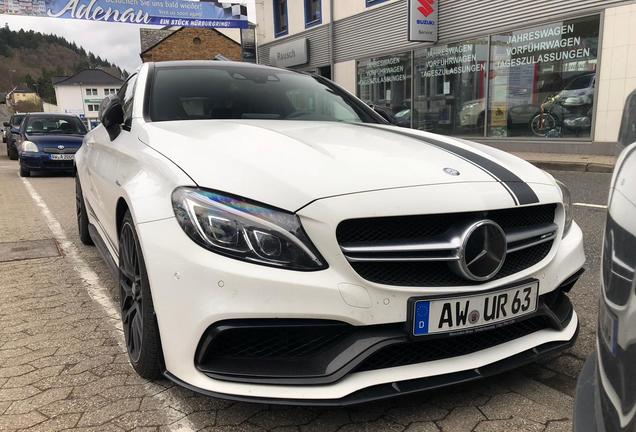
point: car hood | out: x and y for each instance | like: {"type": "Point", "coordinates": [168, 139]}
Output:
{"type": "Point", "coordinates": [55, 140]}
{"type": "Point", "coordinates": [289, 164]}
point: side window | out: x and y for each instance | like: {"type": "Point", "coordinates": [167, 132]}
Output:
{"type": "Point", "coordinates": [126, 94]}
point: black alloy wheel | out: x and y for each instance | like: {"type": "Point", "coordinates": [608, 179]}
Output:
{"type": "Point", "coordinates": [131, 295]}
{"type": "Point", "coordinates": [137, 311]}
{"type": "Point", "coordinates": [82, 215]}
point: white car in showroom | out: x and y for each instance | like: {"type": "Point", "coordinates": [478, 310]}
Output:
{"type": "Point", "coordinates": [276, 240]}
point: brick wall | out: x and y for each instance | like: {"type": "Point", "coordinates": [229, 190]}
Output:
{"type": "Point", "coordinates": [181, 45]}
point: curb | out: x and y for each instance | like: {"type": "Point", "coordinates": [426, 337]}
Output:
{"type": "Point", "coordinates": [574, 166]}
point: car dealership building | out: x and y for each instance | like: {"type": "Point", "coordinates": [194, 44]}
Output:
{"type": "Point", "coordinates": [523, 75]}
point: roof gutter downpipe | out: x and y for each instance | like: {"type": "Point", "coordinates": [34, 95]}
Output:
{"type": "Point", "coordinates": [331, 41]}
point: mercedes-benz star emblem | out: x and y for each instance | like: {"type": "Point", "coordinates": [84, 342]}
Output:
{"type": "Point", "coordinates": [483, 251]}
{"type": "Point", "coordinates": [60, 147]}
{"type": "Point", "coordinates": [451, 171]}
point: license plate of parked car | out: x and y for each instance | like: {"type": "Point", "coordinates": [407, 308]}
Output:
{"type": "Point", "coordinates": [608, 328]}
{"type": "Point", "coordinates": [62, 156]}
{"type": "Point", "coordinates": [470, 312]}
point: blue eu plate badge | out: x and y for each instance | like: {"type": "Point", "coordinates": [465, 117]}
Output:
{"type": "Point", "coordinates": [420, 323]}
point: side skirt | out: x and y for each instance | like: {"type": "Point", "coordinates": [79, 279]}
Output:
{"type": "Point", "coordinates": [103, 251]}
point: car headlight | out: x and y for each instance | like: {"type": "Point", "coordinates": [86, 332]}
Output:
{"type": "Point", "coordinates": [567, 206]}
{"type": "Point", "coordinates": [28, 146]}
{"type": "Point", "coordinates": [245, 230]}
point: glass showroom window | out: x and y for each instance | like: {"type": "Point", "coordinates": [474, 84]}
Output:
{"type": "Point", "coordinates": [542, 80]}
{"type": "Point", "coordinates": [385, 83]}
{"type": "Point", "coordinates": [450, 88]}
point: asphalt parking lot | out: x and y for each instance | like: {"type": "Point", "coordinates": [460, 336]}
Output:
{"type": "Point", "coordinates": [63, 364]}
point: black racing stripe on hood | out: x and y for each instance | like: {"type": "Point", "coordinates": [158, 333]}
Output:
{"type": "Point", "coordinates": [521, 192]}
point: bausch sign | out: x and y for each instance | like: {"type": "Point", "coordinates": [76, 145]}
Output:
{"type": "Point", "coordinates": [181, 13]}
{"type": "Point", "coordinates": [288, 54]}
{"type": "Point", "coordinates": [423, 17]}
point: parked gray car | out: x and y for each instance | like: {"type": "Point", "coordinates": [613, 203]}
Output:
{"type": "Point", "coordinates": [606, 392]}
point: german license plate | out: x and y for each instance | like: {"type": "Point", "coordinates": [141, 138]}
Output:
{"type": "Point", "coordinates": [454, 314]}
{"type": "Point", "coordinates": [608, 328]}
{"type": "Point", "coordinates": [62, 157]}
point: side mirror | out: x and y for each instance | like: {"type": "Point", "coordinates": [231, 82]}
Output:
{"type": "Point", "coordinates": [385, 115]}
{"type": "Point", "coordinates": [6, 124]}
{"type": "Point", "coordinates": [627, 134]}
{"type": "Point", "coordinates": [111, 114]}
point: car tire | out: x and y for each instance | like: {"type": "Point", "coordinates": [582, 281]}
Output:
{"type": "Point", "coordinates": [141, 331]}
{"type": "Point", "coordinates": [24, 172]}
{"type": "Point", "coordinates": [12, 152]}
{"type": "Point", "coordinates": [82, 215]}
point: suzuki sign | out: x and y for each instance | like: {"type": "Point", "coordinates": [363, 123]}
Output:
{"type": "Point", "coordinates": [423, 17]}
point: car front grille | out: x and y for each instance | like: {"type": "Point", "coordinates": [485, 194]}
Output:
{"type": "Point", "coordinates": [53, 164]}
{"type": "Point", "coordinates": [417, 250]}
{"type": "Point", "coordinates": [283, 342]}
{"type": "Point", "coordinates": [55, 150]}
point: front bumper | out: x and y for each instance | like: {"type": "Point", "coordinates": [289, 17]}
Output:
{"type": "Point", "coordinates": [407, 386]}
{"type": "Point", "coordinates": [194, 289]}
{"type": "Point", "coordinates": [42, 162]}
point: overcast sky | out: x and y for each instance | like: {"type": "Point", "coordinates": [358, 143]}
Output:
{"type": "Point", "coordinates": [118, 43]}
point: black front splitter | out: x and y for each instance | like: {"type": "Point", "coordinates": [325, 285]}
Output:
{"type": "Point", "coordinates": [402, 388]}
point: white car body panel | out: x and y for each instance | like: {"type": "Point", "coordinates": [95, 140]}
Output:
{"type": "Point", "coordinates": [320, 159]}
{"type": "Point", "coordinates": [326, 172]}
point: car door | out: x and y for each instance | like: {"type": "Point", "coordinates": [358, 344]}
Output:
{"type": "Point", "coordinates": [103, 166]}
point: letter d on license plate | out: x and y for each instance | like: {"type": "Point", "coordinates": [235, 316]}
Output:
{"type": "Point", "coordinates": [471, 312]}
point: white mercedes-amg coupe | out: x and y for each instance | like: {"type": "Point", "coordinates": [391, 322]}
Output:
{"type": "Point", "coordinates": [276, 240]}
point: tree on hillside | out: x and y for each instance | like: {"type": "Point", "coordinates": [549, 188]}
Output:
{"type": "Point", "coordinates": [21, 42]}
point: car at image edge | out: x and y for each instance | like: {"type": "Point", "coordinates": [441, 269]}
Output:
{"type": "Point", "coordinates": [606, 390]}
{"type": "Point", "coordinates": [276, 241]}
{"type": "Point", "coordinates": [12, 128]}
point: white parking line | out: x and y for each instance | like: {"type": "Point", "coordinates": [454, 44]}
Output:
{"type": "Point", "coordinates": [595, 206]}
{"type": "Point", "coordinates": [96, 290]}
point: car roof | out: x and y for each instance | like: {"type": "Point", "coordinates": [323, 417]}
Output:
{"type": "Point", "coordinates": [42, 114]}
{"type": "Point", "coordinates": [217, 64]}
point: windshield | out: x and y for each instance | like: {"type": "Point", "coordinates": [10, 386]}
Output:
{"type": "Point", "coordinates": [196, 93]}
{"type": "Point", "coordinates": [17, 120]}
{"type": "Point", "coordinates": [581, 82]}
{"type": "Point", "coordinates": [55, 126]}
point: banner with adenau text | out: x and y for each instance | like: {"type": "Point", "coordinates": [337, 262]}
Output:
{"type": "Point", "coordinates": [183, 13]}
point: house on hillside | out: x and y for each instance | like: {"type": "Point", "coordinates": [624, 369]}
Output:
{"type": "Point", "coordinates": [180, 43]}
{"type": "Point", "coordinates": [22, 98]}
{"type": "Point", "coordinates": [82, 93]}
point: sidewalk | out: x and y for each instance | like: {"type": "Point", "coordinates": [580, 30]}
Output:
{"type": "Point", "coordinates": [569, 162]}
